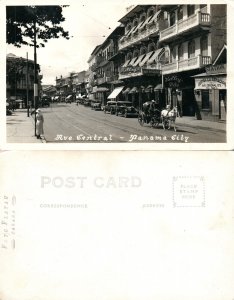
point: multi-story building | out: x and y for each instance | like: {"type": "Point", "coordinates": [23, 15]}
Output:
{"type": "Point", "coordinates": [78, 82]}
{"type": "Point", "coordinates": [140, 45]}
{"type": "Point", "coordinates": [20, 79]}
{"type": "Point", "coordinates": [165, 46]}
{"type": "Point", "coordinates": [194, 35]}
{"type": "Point", "coordinates": [64, 86]}
{"type": "Point", "coordinates": [104, 64]}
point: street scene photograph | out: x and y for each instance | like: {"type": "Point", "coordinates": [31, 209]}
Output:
{"type": "Point", "coordinates": [116, 73]}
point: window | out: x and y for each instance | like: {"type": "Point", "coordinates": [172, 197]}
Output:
{"type": "Point", "coordinates": [191, 49]}
{"type": "Point", "coordinates": [180, 13]}
{"type": "Point", "coordinates": [205, 99]}
{"type": "Point", "coordinates": [173, 54]}
{"type": "Point", "coordinates": [191, 10]}
{"type": "Point", "coordinates": [203, 8]}
{"type": "Point", "coordinates": [180, 52]}
{"type": "Point", "coordinates": [172, 18]}
{"type": "Point", "coordinates": [22, 83]}
{"type": "Point", "coordinates": [204, 46]}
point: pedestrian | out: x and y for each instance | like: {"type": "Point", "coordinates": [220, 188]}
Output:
{"type": "Point", "coordinates": [39, 123]}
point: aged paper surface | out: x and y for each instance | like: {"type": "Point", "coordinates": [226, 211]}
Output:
{"type": "Point", "coordinates": [116, 225]}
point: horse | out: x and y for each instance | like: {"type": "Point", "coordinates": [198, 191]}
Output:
{"type": "Point", "coordinates": [169, 117]}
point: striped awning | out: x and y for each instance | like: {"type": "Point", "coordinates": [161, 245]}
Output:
{"type": "Point", "coordinates": [126, 63]}
{"type": "Point", "coordinates": [136, 63]}
{"type": "Point", "coordinates": [155, 55]}
{"type": "Point", "coordinates": [146, 58]}
{"type": "Point", "coordinates": [131, 30]}
{"type": "Point", "coordinates": [138, 26]}
{"type": "Point", "coordinates": [154, 17]}
{"type": "Point", "coordinates": [127, 90]}
{"type": "Point", "coordinates": [134, 90]}
{"type": "Point", "coordinates": [150, 19]}
{"type": "Point", "coordinates": [149, 88]}
{"type": "Point", "coordinates": [132, 61]}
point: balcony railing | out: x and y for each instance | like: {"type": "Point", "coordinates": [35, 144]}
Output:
{"type": "Point", "coordinates": [140, 34]}
{"type": "Point", "coordinates": [186, 64]}
{"type": "Point", "coordinates": [184, 25]}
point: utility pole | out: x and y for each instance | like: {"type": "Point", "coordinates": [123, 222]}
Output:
{"type": "Point", "coordinates": [35, 69]}
{"type": "Point", "coordinates": [27, 84]}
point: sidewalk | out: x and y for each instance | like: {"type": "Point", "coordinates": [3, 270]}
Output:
{"type": "Point", "coordinates": [201, 124]}
{"type": "Point", "coordinates": [20, 128]}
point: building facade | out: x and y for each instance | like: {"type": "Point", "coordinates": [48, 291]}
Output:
{"type": "Point", "coordinates": [158, 54]}
{"type": "Point", "coordinates": [104, 64]}
{"type": "Point", "coordinates": [70, 86]}
{"type": "Point", "coordinates": [20, 79]}
{"type": "Point", "coordinates": [194, 36]}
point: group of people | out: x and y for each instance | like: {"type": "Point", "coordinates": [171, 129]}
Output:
{"type": "Point", "coordinates": [151, 107]}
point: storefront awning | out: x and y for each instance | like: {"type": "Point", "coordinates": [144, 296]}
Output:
{"type": "Point", "coordinates": [150, 20]}
{"type": "Point", "coordinates": [131, 30]}
{"type": "Point", "coordinates": [158, 87]}
{"type": "Point", "coordinates": [126, 63]}
{"type": "Point", "coordinates": [146, 58]}
{"type": "Point", "coordinates": [127, 90]}
{"type": "Point", "coordinates": [132, 61]}
{"type": "Point", "coordinates": [134, 90]}
{"type": "Point", "coordinates": [155, 55]}
{"type": "Point", "coordinates": [149, 88]}
{"type": "Point", "coordinates": [136, 63]}
{"type": "Point", "coordinates": [115, 92]}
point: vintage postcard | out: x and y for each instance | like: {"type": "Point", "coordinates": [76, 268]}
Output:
{"type": "Point", "coordinates": [116, 225]}
{"type": "Point", "coordinates": [117, 75]}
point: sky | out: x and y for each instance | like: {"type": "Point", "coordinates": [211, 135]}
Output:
{"type": "Point", "coordinates": [89, 24]}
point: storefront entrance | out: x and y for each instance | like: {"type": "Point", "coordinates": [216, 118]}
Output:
{"type": "Point", "coordinates": [188, 108]}
{"type": "Point", "coordinates": [222, 105]}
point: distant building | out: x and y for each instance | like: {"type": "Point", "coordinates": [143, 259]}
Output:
{"type": "Point", "coordinates": [48, 90]}
{"type": "Point", "coordinates": [72, 85]}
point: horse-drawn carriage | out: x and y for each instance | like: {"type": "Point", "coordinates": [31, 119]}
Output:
{"type": "Point", "coordinates": [154, 116]}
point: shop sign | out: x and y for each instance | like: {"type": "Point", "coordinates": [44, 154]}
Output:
{"type": "Point", "coordinates": [207, 83]}
{"type": "Point", "coordinates": [130, 69]}
{"type": "Point", "coordinates": [216, 69]}
{"type": "Point", "coordinates": [173, 81]}
{"type": "Point", "coordinates": [150, 71]}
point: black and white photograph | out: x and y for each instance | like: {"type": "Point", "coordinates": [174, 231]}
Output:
{"type": "Point", "coordinates": [112, 73]}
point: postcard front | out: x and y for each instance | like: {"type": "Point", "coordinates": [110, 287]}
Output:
{"type": "Point", "coordinates": [116, 225]}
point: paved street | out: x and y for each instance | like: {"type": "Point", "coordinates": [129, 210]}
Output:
{"type": "Point", "coordinates": [73, 124]}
